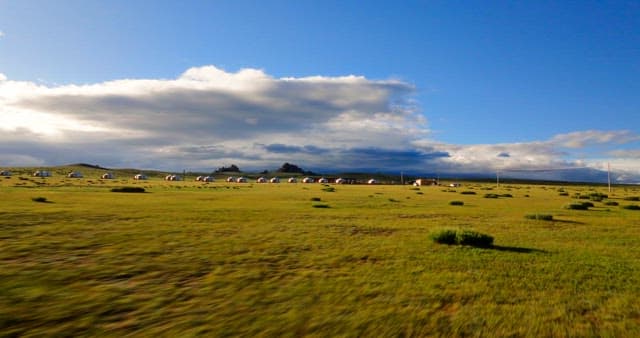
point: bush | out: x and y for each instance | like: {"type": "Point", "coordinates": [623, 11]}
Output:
{"type": "Point", "coordinates": [468, 192]}
{"type": "Point", "coordinates": [445, 237]}
{"type": "Point", "coordinates": [128, 189]}
{"type": "Point", "coordinates": [316, 199]}
{"type": "Point", "coordinates": [329, 189]}
{"type": "Point", "coordinates": [614, 203]}
{"type": "Point", "coordinates": [472, 238]}
{"type": "Point", "coordinates": [631, 207]}
{"type": "Point", "coordinates": [456, 203]}
{"type": "Point", "coordinates": [321, 206]}
{"type": "Point", "coordinates": [490, 195]}
{"type": "Point", "coordinates": [506, 195]}
{"type": "Point", "coordinates": [587, 204]}
{"type": "Point", "coordinates": [632, 198]}
{"type": "Point", "coordinates": [564, 194]}
{"type": "Point", "coordinates": [540, 217]}
{"type": "Point", "coordinates": [39, 199]}
{"type": "Point", "coordinates": [576, 206]}
{"type": "Point", "coordinates": [462, 237]}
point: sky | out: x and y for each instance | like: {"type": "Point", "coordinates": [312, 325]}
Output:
{"type": "Point", "coordinates": [423, 86]}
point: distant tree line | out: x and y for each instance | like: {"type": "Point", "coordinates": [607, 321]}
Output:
{"type": "Point", "coordinates": [285, 168]}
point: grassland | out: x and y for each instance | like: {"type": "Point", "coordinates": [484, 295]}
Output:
{"type": "Point", "coordinates": [219, 259]}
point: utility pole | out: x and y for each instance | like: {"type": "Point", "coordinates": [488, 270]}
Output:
{"type": "Point", "coordinates": [498, 178]}
{"type": "Point", "coordinates": [401, 178]}
{"type": "Point", "coordinates": [609, 175]}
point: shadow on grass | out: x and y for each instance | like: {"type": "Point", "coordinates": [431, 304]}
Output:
{"type": "Point", "coordinates": [516, 249]}
{"type": "Point", "coordinates": [566, 221]}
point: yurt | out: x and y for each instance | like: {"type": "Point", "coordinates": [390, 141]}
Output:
{"type": "Point", "coordinates": [241, 180]}
{"type": "Point", "coordinates": [372, 181]}
{"type": "Point", "coordinates": [107, 176]}
{"type": "Point", "coordinates": [208, 179]}
{"type": "Point", "coordinates": [231, 179]}
{"type": "Point", "coordinates": [6, 173]}
{"type": "Point", "coordinates": [340, 180]}
{"type": "Point", "coordinates": [74, 174]}
{"type": "Point", "coordinates": [140, 177]}
{"type": "Point", "coordinates": [308, 180]}
{"type": "Point", "coordinates": [323, 180]}
{"type": "Point", "coordinates": [292, 180]}
{"type": "Point", "coordinates": [41, 173]}
{"type": "Point", "coordinates": [274, 180]}
{"type": "Point", "coordinates": [199, 178]}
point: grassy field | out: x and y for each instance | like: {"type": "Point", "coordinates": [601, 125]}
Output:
{"type": "Point", "coordinates": [219, 259]}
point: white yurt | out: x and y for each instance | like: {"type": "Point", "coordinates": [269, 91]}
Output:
{"type": "Point", "coordinates": [261, 180]}
{"type": "Point", "coordinates": [41, 173]}
{"type": "Point", "coordinates": [140, 177]}
{"type": "Point", "coordinates": [107, 176]}
{"type": "Point", "coordinates": [274, 180]}
{"type": "Point", "coordinates": [199, 178]}
{"type": "Point", "coordinates": [308, 180]}
{"type": "Point", "coordinates": [292, 180]}
{"type": "Point", "coordinates": [323, 180]}
{"type": "Point", "coordinates": [231, 179]}
{"type": "Point", "coordinates": [340, 180]}
{"type": "Point", "coordinates": [241, 180]}
{"type": "Point", "coordinates": [6, 173]}
{"type": "Point", "coordinates": [372, 181]}
{"type": "Point", "coordinates": [74, 174]}
{"type": "Point", "coordinates": [208, 179]}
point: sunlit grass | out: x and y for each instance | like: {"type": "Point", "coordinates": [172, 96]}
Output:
{"type": "Point", "coordinates": [189, 258]}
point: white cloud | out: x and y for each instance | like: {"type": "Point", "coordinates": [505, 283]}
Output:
{"type": "Point", "coordinates": [1, 34]}
{"type": "Point", "coordinates": [208, 117]}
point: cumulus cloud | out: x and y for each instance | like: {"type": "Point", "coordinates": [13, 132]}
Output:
{"type": "Point", "coordinates": [207, 108]}
{"type": "Point", "coordinates": [208, 117]}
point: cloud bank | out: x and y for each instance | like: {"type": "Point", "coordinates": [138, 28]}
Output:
{"type": "Point", "coordinates": [208, 117]}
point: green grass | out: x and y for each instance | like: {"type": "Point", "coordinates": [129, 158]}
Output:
{"type": "Point", "coordinates": [220, 259]}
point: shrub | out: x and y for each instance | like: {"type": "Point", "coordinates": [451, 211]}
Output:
{"type": "Point", "coordinates": [564, 194]}
{"type": "Point", "coordinates": [321, 206]}
{"type": "Point", "coordinates": [128, 189]}
{"type": "Point", "coordinates": [631, 207]}
{"type": "Point", "coordinates": [490, 195]}
{"type": "Point", "coordinates": [316, 199]}
{"type": "Point", "coordinates": [576, 206]}
{"type": "Point", "coordinates": [632, 198]}
{"type": "Point", "coordinates": [614, 203]}
{"type": "Point", "coordinates": [329, 189]}
{"type": "Point", "coordinates": [456, 203]}
{"type": "Point", "coordinates": [468, 192]}
{"type": "Point", "coordinates": [462, 237]}
{"type": "Point", "coordinates": [472, 238]}
{"type": "Point", "coordinates": [583, 197]}
{"type": "Point", "coordinates": [445, 237]}
{"type": "Point", "coordinates": [587, 204]}
{"type": "Point", "coordinates": [419, 193]}
{"type": "Point", "coordinates": [540, 217]}
{"type": "Point", "coordinates": [39, 199]}
{"type": "Point", "coordinates": [506, 195]}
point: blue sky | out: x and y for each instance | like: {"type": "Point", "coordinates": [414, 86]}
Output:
{"type": "Point", "coordinates": [551, 84]}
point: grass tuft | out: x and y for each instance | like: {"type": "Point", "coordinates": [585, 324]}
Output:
{"type": "Point", "coordinates": [491, 196]}
{"type": "Point", "coordinates": [462, 237]}
{"type": "Point", "coordinates": [321, 206]}
{"type": "Point", "coordinates": [631, 207]}
{"type": "Point", "coordinates": [576, 206]}
{"type": "Point", "coordinates": [456, 203]}
{"type": "Point", "coordinates": [128, 189]}
{"type": "Point", "coordinates": [39, 199]}
{"type": "Point", "coordinates": [539, 217]}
